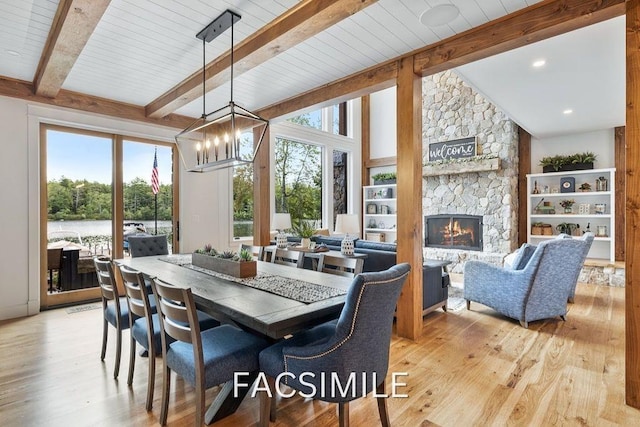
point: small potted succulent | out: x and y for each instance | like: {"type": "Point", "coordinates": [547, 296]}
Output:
{"type": "Point", "coordinates": [231, 263]}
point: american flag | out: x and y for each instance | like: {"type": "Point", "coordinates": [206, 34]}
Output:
{"type": "Point", "coordinates": [155, 184]}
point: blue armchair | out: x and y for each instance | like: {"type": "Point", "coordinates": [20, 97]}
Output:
{"type": "Point", "coordinates": [539, 286]}
{"type": "Point", "coordinates": [355, 347]}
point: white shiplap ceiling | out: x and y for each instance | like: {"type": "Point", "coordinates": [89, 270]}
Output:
{"type": "Point", "coordinates": [142, 48]}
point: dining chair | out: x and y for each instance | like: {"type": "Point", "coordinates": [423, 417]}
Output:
{"type": "Point", "coordinates": [204, 359]}
{"type": "Point", "coordinates": [145, 329]}
{"type": "Point", "coordinates": [148, 245]}
{"type": "Point", "coordinates": [354, 349]}
{"type": "Point", "coordinates": [115, 310]}
{"type": "Point", "coordinates": [341, 266]}
{"type": "Point", "coordinates": [256, 251]}
{"type": "Point", "coordinates": [288, 257]}
{"type": "Point", "coordinates": [54, 262]}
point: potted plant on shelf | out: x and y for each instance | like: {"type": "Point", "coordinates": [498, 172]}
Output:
{"type": "Point", "coordinates": [305, 229]}
{"type": "Point", "coordinates": [384, 178]}
{"type": "Point", "coordinates": [567, 204]}
{"type": "Point", "coordinates": [233, 264]}
{"type": "Point", "coordinates": [559, 163]}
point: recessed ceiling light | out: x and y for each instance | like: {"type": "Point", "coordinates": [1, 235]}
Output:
{"type": "Point", "coordinates": [441, 14]}
{"type": "Point", "coordinates": [12, 52]}
{"type": "Point", "coordinates": [567, 111]}
{"type": "Point", "coordinates": [539, 63]}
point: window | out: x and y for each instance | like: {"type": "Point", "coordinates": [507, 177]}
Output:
{"type": "Point", "coordinates": [331, 119]}
{"type": "Point", "coordinates": [298, 179]}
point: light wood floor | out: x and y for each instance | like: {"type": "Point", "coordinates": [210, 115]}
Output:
{"type": "Point", "coordinates": [469, 368]}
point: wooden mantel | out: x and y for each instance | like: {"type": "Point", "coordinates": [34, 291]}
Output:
{"type": "Point", "coordinates": [453, 168]}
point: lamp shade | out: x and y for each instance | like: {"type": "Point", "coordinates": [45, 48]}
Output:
{"type": "Point", "coordinates": [281, 221]}
{"type": "Point", "coordinates": [347, 223]}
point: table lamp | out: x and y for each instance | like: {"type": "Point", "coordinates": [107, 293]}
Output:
{"type": "Point", "coordinates": [281, 222]}
{"type": "Point", "coordinates": [345, 224]}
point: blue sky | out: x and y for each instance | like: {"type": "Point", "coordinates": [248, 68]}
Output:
{"type": "Point", "coordinates": [79, 157]}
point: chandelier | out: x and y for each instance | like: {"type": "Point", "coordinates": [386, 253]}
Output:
{"type": "Point", "coordinates": [229, 136]}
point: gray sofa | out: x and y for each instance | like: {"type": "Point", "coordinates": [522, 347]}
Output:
{"type": "Point", "coordinates": [380, 256]}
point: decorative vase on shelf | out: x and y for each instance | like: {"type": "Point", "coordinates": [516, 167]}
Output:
{"type": "Point", "coordinates": [568, 210]}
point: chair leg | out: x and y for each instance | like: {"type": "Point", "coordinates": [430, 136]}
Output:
{"type": "Point", "coordinates": [524, 324]}
{"type": "Point", "coordinates": [151, 380]}
{"type": "Point", "coordinates": [343, 414]}
{"type": "Point", "coordinates": [132, 361]}
{"type": "Point", "coordinates": [199, 402]}
{"type": "Point", "coordinates": [382, 405]}
{"type": "Point", "coordinates": [564, 318]}
{"type": "Point", "coordinates": [468, 305]}
{"type": "Point", "coordinates": [105, 332]}
{"type": "Point", "coordinates": [267, 403]}
{"type": "Point", "coordinates": [116, 369]}
{"type": "Point", "coordinates": [166, 385]}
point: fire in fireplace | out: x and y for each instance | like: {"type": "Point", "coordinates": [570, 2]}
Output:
{"type": "Point", "coordinates": [453, 231]}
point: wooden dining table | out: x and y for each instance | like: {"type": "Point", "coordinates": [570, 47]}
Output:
{"type": "Point", "coordinates": [254, 310]}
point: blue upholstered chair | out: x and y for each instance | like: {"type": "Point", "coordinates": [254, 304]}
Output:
{"type": "Point", "coordinates": [538, 286]}
{"type": "Point", "coordinates": [204, 359]}
{"type": "Point", "coordinates": [144, 325]}
{"type": "Point", "coordinates": [115, 310]}
{"type": "Point", "coordinates": [355, 344]}
{"type": "Point", "coordinates": [588, 239]}
{"type": "Point", "coordinates": [148, 245]}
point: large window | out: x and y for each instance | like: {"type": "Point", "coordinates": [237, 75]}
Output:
{"type": "Point", "coordinates": [312, 171]}
{"type": "Point", "coordinates": [298, 179]}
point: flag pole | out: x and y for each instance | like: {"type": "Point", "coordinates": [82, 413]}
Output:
{"type": "Point", "coordinates": [156, 214]}
{"type": "Point", "coordinates": [155, 187]}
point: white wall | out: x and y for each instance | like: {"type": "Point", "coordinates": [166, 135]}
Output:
{"type": "Point", "coordinates": [600, 142]}
{"type": "Point", "coordinates": [383, 133]}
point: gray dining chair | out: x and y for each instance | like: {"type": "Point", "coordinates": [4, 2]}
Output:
{"type": "Point", "coordinates": [148, 245]}
{"type": "Point", "coordinates": [341, 266]}
{"type": "Point", "coordinates": [288, 257]}
{"type": "Point", "coordinates": [204, 359]}
{"type": "Point", "coordinates": [356, 343]}
{"type": "Point", "coordinates": [256, 251]}
{"type": "Point", "coordinates": [115, 310]}
{"type": "Point", "coordinates": [144, 325]}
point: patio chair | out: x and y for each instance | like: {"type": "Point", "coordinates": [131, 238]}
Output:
{"type": "Point", "coordinates": [357, 343]}
{"type": "Point", "coordinates": [54, 262]}
{"type": "Point", "coordinates": [538, 290]}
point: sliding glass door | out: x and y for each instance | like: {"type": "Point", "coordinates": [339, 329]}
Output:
{"type": "Point", "coordinates": [96, 190]}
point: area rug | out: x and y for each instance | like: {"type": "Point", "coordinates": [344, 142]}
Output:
{"type": "Point", "coordinates": [456, 301]}
{"type": "Point", "coordinates": [81, 308]}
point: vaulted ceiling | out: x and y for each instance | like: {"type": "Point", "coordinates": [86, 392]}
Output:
{"type": "Point", "coordinates": [143, 55]}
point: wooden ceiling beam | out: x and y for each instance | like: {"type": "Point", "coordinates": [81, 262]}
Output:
{"type": "Point", "coordinates": [93, 104]}
{"type": "Point", "coordinates": [535, 23]}
{"type": "Point", "coordinates": [538, 22]}
{"type": "Point", "coordinates": [298, 24]}
{"type": "Point", "coordinates": [73, 24]}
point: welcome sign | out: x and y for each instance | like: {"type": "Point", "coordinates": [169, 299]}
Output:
{"type": "Point", "coordinates": [456, 149]}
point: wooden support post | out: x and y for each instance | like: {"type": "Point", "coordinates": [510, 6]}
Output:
{"type": "Point", "coordinates": [621, 166]}
{"type": "Point", "coordinates": [409, 197]}
{"type": "Point", "coordinates": [632, 208]}
{"type": "Point", "coordinates": [524, 162]}
{"type": "Point", "coordinates": [261, 190]}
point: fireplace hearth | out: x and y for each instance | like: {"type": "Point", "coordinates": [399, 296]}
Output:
{"type": "Point", "coordinates": [453, 232]}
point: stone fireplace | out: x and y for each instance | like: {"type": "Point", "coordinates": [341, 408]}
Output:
{"type": "Point", "coordinates": [452, 110]}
